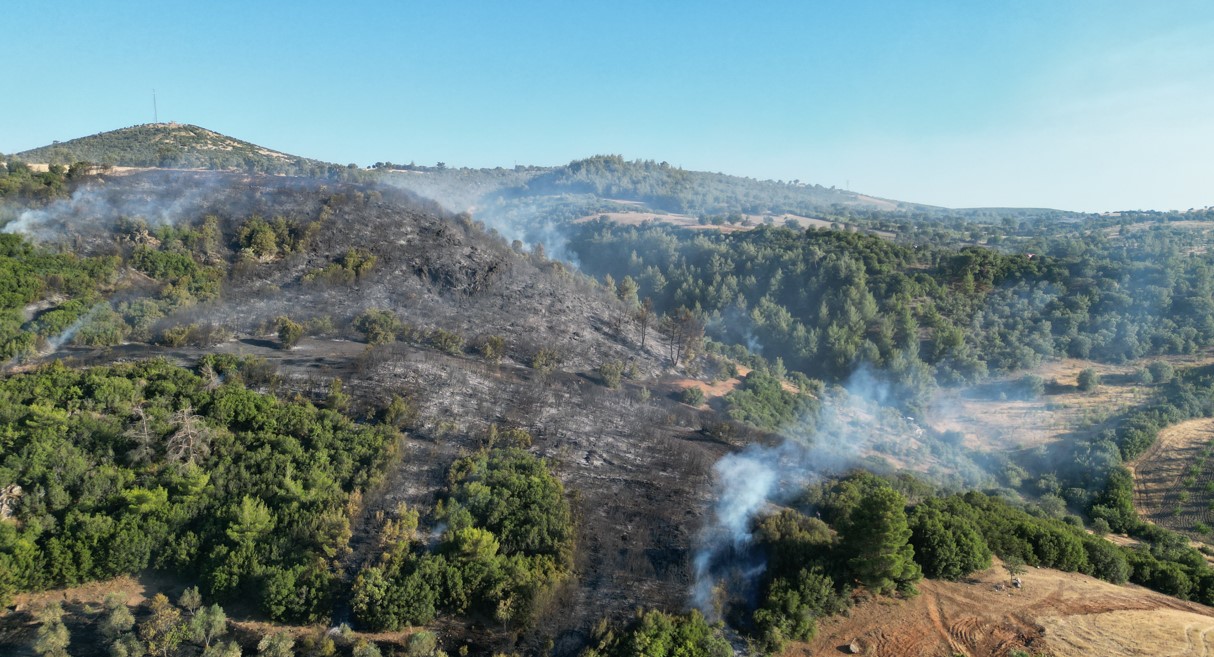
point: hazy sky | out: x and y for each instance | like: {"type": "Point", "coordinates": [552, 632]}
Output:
{"type": "Point", "coordinates": [1079, 105]}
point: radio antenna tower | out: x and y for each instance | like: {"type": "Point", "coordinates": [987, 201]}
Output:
{"type": "Point", "coordinates": [155, 111]}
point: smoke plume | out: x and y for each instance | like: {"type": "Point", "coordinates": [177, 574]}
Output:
{"type": "Point", "coordinates": [747, 482]}
{"type": "Point", "coordinates": [99, 205]}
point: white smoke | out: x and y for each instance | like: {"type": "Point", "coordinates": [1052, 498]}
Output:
{"type": "Point", "coordinates": [98, 205]}
{"type": "Point", "coordinates": [749, 480]}
{"type": "Point", "coordinates": [531, 221]}
{"type": "Point", "coordinates": [53, 344]}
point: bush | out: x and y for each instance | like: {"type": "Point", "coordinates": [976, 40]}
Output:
{"type": "Point", "coordinates": [612, 373]}
{"type": "Point", "coordinates": [443, 340]}
{"type": "Point", "coordinates": [693, 396]}
{"type": "Point", "coordinates": [289, 332]}
{"type": "Point", "coordinates": [1088, 380]}
{"type": "Point", "coordinates": [1161, 371]}
{"type": "Point", "coordinates": [379, 326]}
{"type": "Point", "coordinates": [493, 348]}
{"type": "Point", "coordinates": [545, 360]}
{"type": "Point", "coordinates": [657, 633]}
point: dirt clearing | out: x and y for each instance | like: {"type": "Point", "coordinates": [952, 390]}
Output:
{"type": "Point", "coordinates": [1056, 613]}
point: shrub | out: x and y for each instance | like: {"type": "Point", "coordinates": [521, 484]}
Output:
{"type": "Point", "coordinates": [545, 360]}
{"type": "Point", "coordinates": [493, 348]}
{"type": "Point", "coordinates": [443, 340]}
{"type": "Point", "coordinates": [379, 326]}
{"type": "Point", "coordinates": [612, 373]}
{"type": "Point", "coordinates": [289, 332]}
{"type": "Point", "coordinates": [692, 396]}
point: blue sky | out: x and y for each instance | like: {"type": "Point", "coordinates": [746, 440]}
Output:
{"type": "Point", "coordinates": [1078, 105]}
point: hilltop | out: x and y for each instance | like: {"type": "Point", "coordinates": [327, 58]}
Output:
{"type": "Point", "coordinates": [604, 183]}
{"type": "Point", "coordinates": [609, 181]}
{"type": "Point", "coordinates": [177, 146]}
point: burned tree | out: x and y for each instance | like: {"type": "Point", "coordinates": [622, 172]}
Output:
{"type": "Point", "coordinates": [684, 332]}
{"type": "Point", "coordinates": [191, 441]}
{"type": "Point", "coordinates": [644, 317]}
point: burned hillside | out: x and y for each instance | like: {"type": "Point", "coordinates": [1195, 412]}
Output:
{"type": "Point", "coordinates": [308, 250]}
{"type": "Point", "coordinates": [637, 467]}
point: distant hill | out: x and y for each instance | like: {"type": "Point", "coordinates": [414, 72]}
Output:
{"type": "Point", "coordinates": [659, 186]}
{"type": "Point", "coordinates": [179, 146]}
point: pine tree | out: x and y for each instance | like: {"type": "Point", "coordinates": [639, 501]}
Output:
{"type": "Point", "coordinates": [877, 536]}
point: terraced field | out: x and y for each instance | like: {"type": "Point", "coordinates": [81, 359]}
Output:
{"type": "Point", "coordinates": [1055, 613]}
{"type": "Point", "coordinates": [1174, 480]}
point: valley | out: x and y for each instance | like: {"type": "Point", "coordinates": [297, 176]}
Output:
{"type": "Point", "coordinates": [500, 411]}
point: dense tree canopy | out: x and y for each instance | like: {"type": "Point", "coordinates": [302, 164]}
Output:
{"type": "Point", "coordinates": [145, 465]}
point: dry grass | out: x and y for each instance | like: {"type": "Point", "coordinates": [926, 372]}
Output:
{"type": "Point", "coordinates": [640, 216]}
{"type": "Point", "coordinates": [680, 220]}
{"type": "Point", "coordinates": [1172, 480]}
{"type": "Point", "coordinates": [1056, 613]}
{"type": "Point", "coordinates": [990, 423]}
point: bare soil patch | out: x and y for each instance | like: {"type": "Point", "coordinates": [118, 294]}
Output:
{"type": "Point", "coordinates": [1056, 613]}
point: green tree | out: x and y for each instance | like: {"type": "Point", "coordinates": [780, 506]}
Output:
{"type": "Point", "coordinates": [877, 535]}
{"type": "Point", "coordinates": [421, 644]}
{"type": "Point", "coordinates": [656, 634]}
{"type": "Point", "coordinates": [225, 649]}
{"type": "Point", "coordinates": [252, 520]}
{"type": "Point", "coordinates": [946, 546]}
{"type": "Point", "coordinates": [1088, 379]}
{"type": "Point", "coordinates": [791, 607]}
{"type": "Point", "coordinates": [162, 630]}
{"type": "Point", "coordinates": [52, 638]}
{"type": "Point", "coordinates": [1014, 565]}
{"type": "Point", "coordinates": [289, 332]}
{"type": "Point", "coordinates": [190, 600]}
{"type": "Point", "coordinates": [118, 619]}
{"type": "Point", "coordinates": [627, 291]}
{"type": "Point", "coordinates": [279, 644]}
{"type": "Point", "coordinates": [208, 624]}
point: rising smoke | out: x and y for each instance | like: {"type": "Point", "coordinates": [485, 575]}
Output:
{"type": "Point", "coordinates": [97, 206]}
{"type": "Point", "coordinates": [853, 422]}
{"type": "Point", "coordinates": [749, 481]}
{"type": "Point", "coordinates": [513, 216]}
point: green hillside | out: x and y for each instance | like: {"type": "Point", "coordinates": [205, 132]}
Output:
{"type": "Point", "coordinates": [178, 145]}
